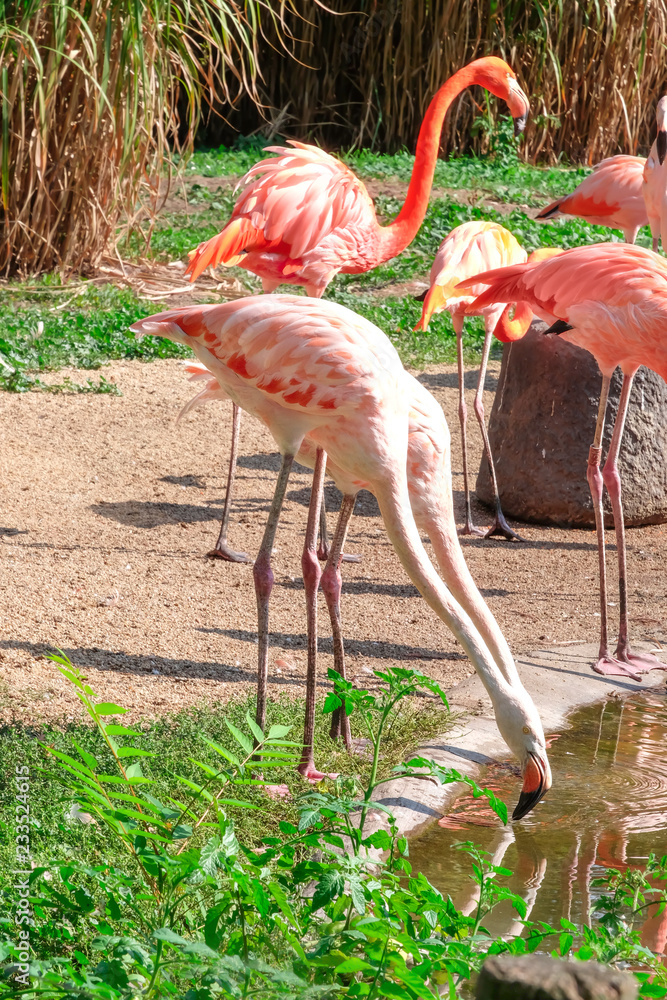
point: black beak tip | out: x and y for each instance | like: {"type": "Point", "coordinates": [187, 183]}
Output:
{"type": "Point", "coordinates": [661, 143]}
{"type": "Point", "coordinates": [528, 801]}
{"type": "Point", "coordinates": [520, 123]}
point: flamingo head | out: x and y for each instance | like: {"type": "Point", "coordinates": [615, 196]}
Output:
{"type": "Point", "coordinates": [494, 74]}
{"type": "Point", "coordinates": [661, 119]}
{"type": "Point", "coordinates": [544, 253]}
{"type": "Point", "coordinates": [521, 728]}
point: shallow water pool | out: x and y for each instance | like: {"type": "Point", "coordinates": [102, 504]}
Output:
{"type": "Point", "coordinates": [607, 809]}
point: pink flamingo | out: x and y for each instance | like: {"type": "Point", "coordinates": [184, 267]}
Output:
{"type": "Point", "coordinates": [610, 196]}
{"type": "Point", "coordinates": [654, 186]}
{"type": "Point", "coordinates": [469, 249]}
{"type": "Point", "coordinates": [610, 299]}
{"type": "Point", "coordinates": [302, 216]}
{"type": "Point", "coordinates": [331, 389]}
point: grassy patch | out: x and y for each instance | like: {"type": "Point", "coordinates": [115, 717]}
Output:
{"type": "Point", "coordinates": [177, 741]}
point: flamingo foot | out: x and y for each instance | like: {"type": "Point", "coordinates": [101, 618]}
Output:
{"type": "Point", "coordinates": [277, 791]}
{"type": "Point", "coordinates": [501, 527]}
{"type": "Point", "coordinates": [223, 551]}
{"type": "Point", "coordinates": [640, 662]}
{"type": "Point", "coordinates": [470, 529]}
{"type": "Point", "coordinates": [609, 666]}
{"type": "Point", "coordinates": [310, 773]}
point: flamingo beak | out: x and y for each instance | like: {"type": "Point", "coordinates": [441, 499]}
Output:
{"type": "Point", "coordinates": [661, 144]}
{"type": "Point", "coordinates": [434, 301]}
{"type": "Point", "coordinates": [536, 784]}
{"type": "Point", "coordinates": [520, 123]}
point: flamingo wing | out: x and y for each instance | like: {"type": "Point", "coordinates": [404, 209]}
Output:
{"type": "Point", "coordinates": [302, 207]}
{"type": "Point", "coordinates": [611, 195]}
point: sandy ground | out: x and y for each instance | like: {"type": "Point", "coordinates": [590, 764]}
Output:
{"type": "Point", "coordinates": [108, 506]}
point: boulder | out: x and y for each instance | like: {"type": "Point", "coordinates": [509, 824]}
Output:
{"type": "Point", "coordinates": [538, 977]}
{"type": "Point", "coordinates": [542, 425]}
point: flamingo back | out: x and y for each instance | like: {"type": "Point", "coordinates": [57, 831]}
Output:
{"type": "Point", "coordinates": [610, 196]}
{"type": "Point", "coordinates": [469, 249]}
{"type": "Point", "coordinates": [614, 295]}
{"type": "Point", "coordinates": [301, 214]}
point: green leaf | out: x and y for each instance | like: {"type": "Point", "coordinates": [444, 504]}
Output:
{"type": "Point", "coordinates": [132, 752]}
{"type": "Point", "coordinates": [113, 729]}
{"type": "Point", "coordinates": [108, 708]}
{"type": "Point", "coordinates": [357, 893]}
{"type": "Point", "coordinates": [222, 751]}
{"type": "Point", "coordinates": [277, 732]}
{"type": "Point", "coordinates": [254, 728]}
{"type": "Point", "coordinates": [240, 737]}
{"type": "Point", "coordinates": [565, 943]}
{"type": "Point", "coordinates": [353, 964]}
{"type": "Point", "coordinates": [329, 886]}
{"type": "Point", "coordinates": [86, 757]}
{"type": "Point", "coordinates": [166, 934]}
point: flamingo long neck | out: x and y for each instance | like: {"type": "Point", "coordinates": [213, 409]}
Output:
{"type": "Point", "coordinates": [436, 519]}
{"type": "Point", "coordinates": [400, 233]}
{"type": "Point", "coordinates": [508, 329]}
{"type": "Point", "coordinates": [394, 502]}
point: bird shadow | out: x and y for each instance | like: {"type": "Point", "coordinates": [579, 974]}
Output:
{"type": "Point", "coordinates": [450, 380]}
{"type": "Point", "coordinates": [365, 506]}
{"type": "Point", "coordinates": [184, 481]}
{"type": "Point", "coordinates": [267, 462]}
{"type": "Point", "coordinates": [353, 647]}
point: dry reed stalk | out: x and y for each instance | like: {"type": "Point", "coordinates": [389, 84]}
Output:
{"type": "Point", "coordinates": [94, 97]}
{"type": "Point", "coordinates": [593, 69]}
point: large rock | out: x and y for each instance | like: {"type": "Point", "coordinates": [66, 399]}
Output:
{"type": "Point", "coordinates": [538, 977]}
{"type": "Point", "coordinates": [543, 423]}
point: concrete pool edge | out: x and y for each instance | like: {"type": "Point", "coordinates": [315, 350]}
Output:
{"type": "Point", "coordinates": [559, 679]}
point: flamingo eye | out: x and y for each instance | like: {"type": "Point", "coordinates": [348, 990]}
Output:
{"type": "Point", "coordinates": [526, 730]}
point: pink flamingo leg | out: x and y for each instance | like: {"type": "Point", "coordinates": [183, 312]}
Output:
{"type": "Point", "coordinates": [311, 580]}
{"type": "Point", "coordinates": [323, 550]}
{"type": "Point", "coordinates": [263, 576]}
{"type": "Point", "coordinates": [606, 663]}
{"type": "Point", "coordinates": [222, 549]}
{"type": "Point", "coordinates": [629, 663]}
{"type": "Point", "coordinates": [468, 527]}
{"type": "Point", "coordinates": [500, 525]}
{"type": "Point", "coordinates": [332, 586]}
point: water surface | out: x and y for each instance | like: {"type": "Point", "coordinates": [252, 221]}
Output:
{"type": "Point", "coordinates": [607, 809]}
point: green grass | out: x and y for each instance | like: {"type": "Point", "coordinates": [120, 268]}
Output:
{"type": "Point", "coordinates": [92, 327]}
{"type": "Point", "coordinates": [177, 741]}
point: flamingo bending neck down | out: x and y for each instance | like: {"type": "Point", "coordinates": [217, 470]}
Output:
{"type": "Point", "coordinates": [610, 299]}
{"type": "Point", "coordinates": [654, 186]}
{"type": "Point", "coordinates": [331, 389]}
{"type": "Point", "coordinates": [303, 216]}
{"type": "Point", "coordinates": [469, 249]}
{"type": "Point", "coordinates": [610, 196]}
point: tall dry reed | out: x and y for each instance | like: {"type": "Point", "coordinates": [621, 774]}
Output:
{"type": "Point", "coordinates": [94, 97]}
{"type": "Point", "coordinates": [593, 69]}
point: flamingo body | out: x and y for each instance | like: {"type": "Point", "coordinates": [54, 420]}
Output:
{"type": "Point", "coordinates": [325, 380]}
{"type": "Point", "coordinates": [654, 188]}
{"type": "Point", "coordinates": [614, 295]}
{"type": "Point", "coordinates": [469, 249]}
{"type": "Point", "coordinates": [610, 196]}
{"type": "Point", "coordinates": [303, 216]}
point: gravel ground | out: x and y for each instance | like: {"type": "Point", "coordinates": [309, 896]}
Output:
{"type": "Point", "coordinates": [108, 506]}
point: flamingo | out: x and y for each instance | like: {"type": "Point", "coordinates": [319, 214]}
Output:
{"type": "Point", "coordinates": [302, 216]}
{"type": "Point", "coordinates": [469, 249]}
{"type": "Point", "coordinates": [610, 196]}
{"type": "Point", "coordinates": [610, 299]}
{"type": "Point", "coordinates": [332, 391]}
{"type": "Point", "coordinates": [654, 186]}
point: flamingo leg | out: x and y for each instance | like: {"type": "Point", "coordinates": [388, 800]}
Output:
{"type": "Point", "coordinates": [263, 576]}
{"type": "Point", "coordinates": [596, 486]}
{"type": "Point", "coordinates": [332, 586]}
{"type": "Point", "coordinates": [626, 662]}
{"type": "Point", "coordinates": [500, 525]}
{"type": "Point", "coordinates": [468, 527]}
{"type": "Point", "coordinates": [323, 550]}
{"type": "Point", "coordinates": [222, 549]}
{"type": "Point", "coordinates": [311, 580]}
